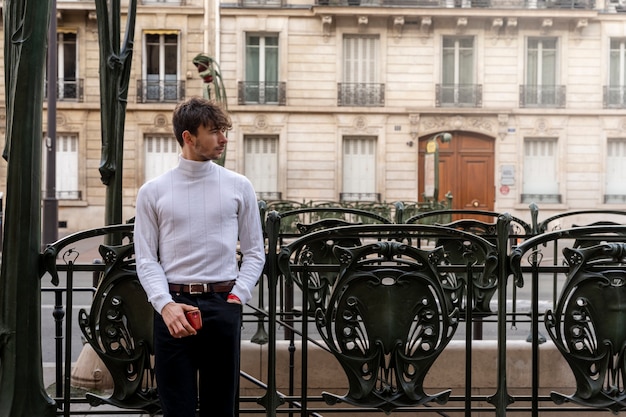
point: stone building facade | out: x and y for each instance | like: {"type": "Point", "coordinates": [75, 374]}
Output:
{"type": "Point", "coordinates": [335, 100]}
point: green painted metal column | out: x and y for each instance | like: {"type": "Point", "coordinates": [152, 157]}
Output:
{"type": "Point", "coordinates": [115, 65]}
{"type": "Point", "coordinates": [22, 392]}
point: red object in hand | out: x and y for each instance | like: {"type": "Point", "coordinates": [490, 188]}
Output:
{"type": "Point", "coordinates": [234, 297]}
{"type": "Point", "coordinates": [194, 318]}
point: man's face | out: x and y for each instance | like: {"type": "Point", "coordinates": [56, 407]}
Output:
{"type": "Point", "coordinates": [207, 144]}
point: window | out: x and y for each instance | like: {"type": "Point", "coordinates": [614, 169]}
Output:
{"type": "Point", "coordinates": [69, 87]}
{"type": "Point", "coordinates": [359, 169]}
{"type": "Point", "coordinates": [540, 182]}
{"type": "Point", "coordinates": [67, 66]}
{"type": "Point", "coordinates": [160, 70]}
{"type": "Point", "coordinates": [615, 186]}
{"type": "Point", "coordinates": [66, 163]}
{"type": "Point", "coordinates": [614, 93]}
{"type": "Point", "coordinates": [161, 155]}
{"type": "Point", "coordinates": [261, 85]}
{"type": "Point", "coordinates": [261, 165]}
{"type": "Point", "coordinates": [541, 89]}
{"type": "Point", "coordinates": [457, 77]}
{"type": "Point", "coordinates": [360, 85]}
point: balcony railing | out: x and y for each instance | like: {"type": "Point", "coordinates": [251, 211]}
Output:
{"type": "Point", "coordinates": [614, 97]}
{"type": "Point", "coordinates": [361, 94]}
{"type": "Point", "coordinates": [499, 4]}
{"type": "Point", "coordinates": [269, 195]}
{"type": "Point", "coordinates": [459, 95]}
{"type": "Point", "coordinates": [68, 90]}
{"type": "Point", "coordinates": [368, 197]}
{"type": "Point", "coordinates": [260, 3]}
{"type": "Point", "coordinates": [162, 2]}
{"type": "Point", "coordinates": [255, 92]}
{"type": "Point", "coordinates": [542, 96]}
{"type": "Point", "coordinates": [160, 91]}
{"type": "Point", "coordinates": [541, 198]}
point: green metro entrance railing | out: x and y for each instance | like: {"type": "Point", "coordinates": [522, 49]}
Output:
{"type": "Point", "coordinates": [391, 307]}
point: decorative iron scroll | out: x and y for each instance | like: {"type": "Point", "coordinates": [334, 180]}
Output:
{"type": "Point", "coordinates": [320, 252]}
{"type": "Point", "coordinates": [119, 328]}
{"type": "Point", "coordinates": [588, 325]}
{"type": "Point", "coordinates": [460, 252]}
{"type": "Point", "coordinates": [386, 322]}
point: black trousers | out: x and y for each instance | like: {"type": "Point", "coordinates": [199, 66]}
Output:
{"type": "Point", "coordinates": [204, 367]}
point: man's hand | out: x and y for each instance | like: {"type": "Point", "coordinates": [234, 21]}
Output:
{"type": "Point", "coordinates": [174, 317]}
{"type": "Point", "coordinates": [233, 299]}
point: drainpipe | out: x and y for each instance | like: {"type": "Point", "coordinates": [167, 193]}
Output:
{"type": "Point", "coordinates": [218, 29]}
{"type": "Point", "coordinates": [207, 19]}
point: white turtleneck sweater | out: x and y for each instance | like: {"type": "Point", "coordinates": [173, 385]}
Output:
{"type": "Point", "coordinates": [187, 225]}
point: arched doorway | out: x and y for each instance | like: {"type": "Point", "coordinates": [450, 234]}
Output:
{"type": "Point", "coordinates": [466, 170]}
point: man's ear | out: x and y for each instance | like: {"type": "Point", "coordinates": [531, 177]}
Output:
{"type": "Point", "coordinates": [187, 137]}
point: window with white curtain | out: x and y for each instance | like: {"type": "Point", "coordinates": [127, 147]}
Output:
{"type": "Point", "coordinates": [261, 63]}
{"type": "Point", "coordinates": [359, 168]}
{"type": "Point", "coordinates": [66, 163]}
{"type": "Point", "coordinates": [261, 164]}
{"type": "Point", "coordinates": [161, 155]}
{"type": "Point", "coordinates": [360, 58]}
{"type": "Point", "coordinates": [540, 179]}
{"type": "Point", "coordinates": [360, 84]}
{"type": "Point", "coordinates": [160, 69]}
{"type": "Point", "coordinates": [617, 73]}
{"type": "Point", "coordinates": [457, 70]}
{"type": "Point", "coordinates": [541, 71]}
{"type": "Point", "coordinates": [615, 186]}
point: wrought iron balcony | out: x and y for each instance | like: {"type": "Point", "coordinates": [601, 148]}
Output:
{"type": "Point", "coordinates": [160, 91]}
{"type": "Point", "coordinates": [571, 4]}
{"type": "Point", "coordinates": [614, 198]}
{"type": "Point", "coordinates": [269, 195]}
{"type": "Point", "coordinates": [69, 195]}
{"type": "Point", "coordinates": [614, 97]}
{"type": "Point", "coordinates": [542, 96]}
{"type": "Point", "coordinates": [162, 2]}
{"type": "Point", "coordinates": [66, 194]}
{"type": "Point", "coordinates": [369, 197]}
{"type": "Point", "coordinates": [459, 95]}
{"type": "Point", "coordinates": [500, 4]}
{"type": "Point", "coordinates": [261, 3]}
{"type": "Point", "coordinates": [68, 90]}
{"type": "Point", "coordinates": [255, 92]}
{"type": "Point", "coordinates": [361, 94]}
{"type": "Point", "coordinates": [541, 198]}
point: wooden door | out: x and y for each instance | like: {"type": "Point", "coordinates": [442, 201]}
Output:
{"type": "Point", "coordinates": [466, 170]}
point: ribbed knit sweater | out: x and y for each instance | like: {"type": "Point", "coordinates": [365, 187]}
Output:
{"type": "Point", "coordinates": [188, 222]}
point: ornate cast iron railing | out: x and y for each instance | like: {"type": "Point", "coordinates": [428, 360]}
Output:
{"type": "Point", "coordinates": [388, 303]}
{"type": "Point", "coordinates": [549, 96]}
{"type": "Point", "coordinates": [458, 95]}
{"type": "Point", "coordinates": [361, 94]}
{"type": "Point", "coordinates": [161, 91]}
{"type": "Point", "coordinates": [262, 92]}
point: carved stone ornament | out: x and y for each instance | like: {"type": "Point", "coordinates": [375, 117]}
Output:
{"type": "Point", "coordinates": [260, 122]}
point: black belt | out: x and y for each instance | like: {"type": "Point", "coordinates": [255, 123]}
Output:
{"type": "Point", "coordinates": [203, 288]}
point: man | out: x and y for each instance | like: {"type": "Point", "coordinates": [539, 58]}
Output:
{"type": "Point", "coordinates": [187, 226]}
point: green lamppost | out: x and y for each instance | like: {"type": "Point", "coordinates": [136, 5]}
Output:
{"type": "Point", "coordinates": [431, 166]}
{"type": "Point", "coordinates": [210, 73]}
